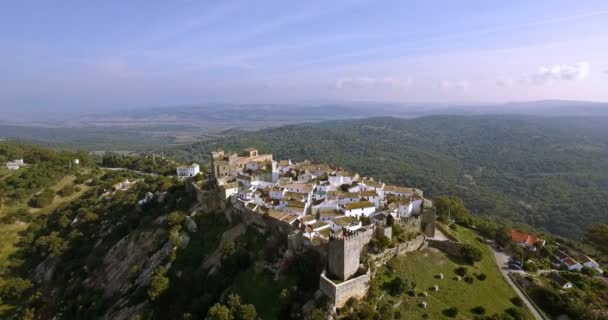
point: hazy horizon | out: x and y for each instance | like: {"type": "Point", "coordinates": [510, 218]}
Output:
{"type": "Point", "coordinates": [83, 58]}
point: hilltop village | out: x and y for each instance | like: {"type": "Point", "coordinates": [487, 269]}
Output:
{"type": "Point", "coordinates": [346, 217]}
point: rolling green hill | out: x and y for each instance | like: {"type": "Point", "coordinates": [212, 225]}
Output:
{"type": "Point", "coordinates": [551, 173]}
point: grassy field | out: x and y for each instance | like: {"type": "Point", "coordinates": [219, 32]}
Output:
{"type": "Point", "coordinates": [423, 267]}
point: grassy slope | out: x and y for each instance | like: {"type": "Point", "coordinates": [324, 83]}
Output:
{"type": "Point", "coordinates": [421, 267]}
{"type": "Point", "coordinates": [9, 232]}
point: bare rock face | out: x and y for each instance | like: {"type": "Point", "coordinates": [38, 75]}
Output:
{"type": "Point", "coordinates": [191, 225]}
{"type": "Point", "coordinates": [44, 271]}
{"type": "Point", "coordinates": [122, 311]}
{"type": "Point", "coordinates": [136, 255]}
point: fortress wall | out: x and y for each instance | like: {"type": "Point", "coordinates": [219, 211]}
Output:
{"type": "Point", "coordinates": [449, 247]}
{"type": "Point", "coordinates": [427, 225]}
{"type": "Point", "coordinates": [339, 293]}
{"type": "Point", "coordinates": [260, 220]}
{"type": "Point", "coordinates": [403, 248]}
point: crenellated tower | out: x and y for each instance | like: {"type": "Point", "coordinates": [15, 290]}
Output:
{"type": "Point", "coordinates": [344, 253]}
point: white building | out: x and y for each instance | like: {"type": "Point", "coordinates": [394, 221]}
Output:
{"type": "Point", "coordinates": [188, 171]}
{"type": "Point", "coordinates": [409, 207]}
{"type": "Point", "coordinates": [15, 164]}
{"type": "Point", "coordinates": [345, 223]}
{"type": "Point", "coordinates": [589, 263]}
{"type": "Point", "coordinates": [357, 209]}
{"type": "Point", "coordinates": [277, 193]}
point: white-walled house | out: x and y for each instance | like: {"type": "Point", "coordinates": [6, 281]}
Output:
{"type": "Point", "coordinates": [371, 196]}
{"type": "Point", "coordinates": [188, 171]}
{"type": "Point", "coordinates": [305, 178]}
{"type": "Point", "coordinates": [252, 165]}
{"type": "Point", "coordinates": [589, 263]}
{"type": "Point", "coordinates": [229, 189]}
{"type": "Point", "coordinates": [357, 209]}
{"type": "Point", "coordinates": [409, 207]}
{"type": "Point", "coordinates": [572, 264]}
{"type": "Point", "coordinates": [401, 191]}
{"type": "Point", "coordinates": [345, 223]}
{"type": "Point", "coordinates": [15, 164]}
{"type": "Point", "coordinates": [277, 193]}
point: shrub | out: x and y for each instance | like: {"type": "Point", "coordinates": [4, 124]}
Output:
{"type": "Point", "coordinates": [450, 312]}
{"type": "Point", "coordinates": [479, 310]}
{"type": "Point", "coordinates": [468, 279]}
{"type": "Point", "coordinates": [43, 199]}
{"type": "Point", "coordinates": [461, 271]}
{"type": "Point", "coordinates": [516, 313]}
{"type": "Point", "coordinates": [530, 267]}
{"type": "Point", "coordinates": [159, 283]}
{"type": "Point", "coordinates": [66, 191]}
{"type": "Point", "coordinates": [588, 271]}
{"type": "Point", "coordinates": [481, 277]}
{"type": "Point", "coordinates": [516, 301]}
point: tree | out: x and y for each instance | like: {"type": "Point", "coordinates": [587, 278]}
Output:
{"type": "Point", "coordinates": [471, 253]}
{"type": "Point", "coordinates": [51, 245]}
{"type": "Point", "coordinates": [383, 242]}
{"type": "Point", "coordinates": [218, 312]}
{"type": "Point", "coordinates": [13, 288]}
{"type": "Point", "coordinates": [159, 283]}
{"type": "Point", "coordinates": [397, 285]}
{"type": "Point", "coordinates": [598, 236]}
{"type": "Point", "coordinates": [451, 207]}
{"type": "Point", "coordinates": [390, 220]}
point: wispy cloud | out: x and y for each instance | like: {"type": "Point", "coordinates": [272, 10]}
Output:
{"type": "Point", "coordinates": [367, 82]}
{"type": "Point", "coordinates": [569, 72]}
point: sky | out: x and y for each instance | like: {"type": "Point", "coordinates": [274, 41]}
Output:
{"type": "Point", "coordinates": [97, 55]}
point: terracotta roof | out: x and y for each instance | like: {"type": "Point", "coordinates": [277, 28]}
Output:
{"type": "Point", "coordinates": [522, 237]}
{"type": "Point", "coordinates": [570, 262]}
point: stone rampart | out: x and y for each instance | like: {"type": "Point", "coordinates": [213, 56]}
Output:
{"type": "Point", "coordinates": [403, 248]}
{"type": "Point", "coordinates": [450, 247]}
{"type": "Point", "coordinates": [261, 220]}
{"type": "Point", "coordinates": [339, 293]}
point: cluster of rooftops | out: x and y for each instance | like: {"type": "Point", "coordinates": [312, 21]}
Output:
{"type": "Point", "coordinates": [324, 199]}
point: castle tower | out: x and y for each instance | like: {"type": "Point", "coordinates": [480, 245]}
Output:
{"type": "Point", "coordinates": [343, 256]}
{"type": "Point", "coordinates": [427, 224]}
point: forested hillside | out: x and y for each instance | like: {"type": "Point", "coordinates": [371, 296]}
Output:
{"type": "Point", "coordinates": [551, 173]}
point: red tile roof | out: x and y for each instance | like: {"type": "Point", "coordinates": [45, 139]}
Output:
{"type": "Point", "coordinates": [569, 262]}
{"type": "Point", "coordinates": [522, 237]}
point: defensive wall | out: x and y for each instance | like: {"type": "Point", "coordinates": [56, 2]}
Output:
{"type": "Point", "coordinates": [339, 292]}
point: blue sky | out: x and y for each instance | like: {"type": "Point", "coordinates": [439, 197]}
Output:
{"type": "Point", "coordinates": [93, 55]}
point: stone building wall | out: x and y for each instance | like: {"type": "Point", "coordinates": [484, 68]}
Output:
{"type": "Point", "coordinates": [339, 293]}
{"type": "Point", "coordinates": [410, 224]}
{"type": "Point", "coordinates": [344, 253]}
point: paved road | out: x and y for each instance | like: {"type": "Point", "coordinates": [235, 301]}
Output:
{"type": "Point", "coordinates": [502, 260]}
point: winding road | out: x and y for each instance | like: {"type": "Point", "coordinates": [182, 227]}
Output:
{"type": "Point", "coordinates": [502, 261]}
